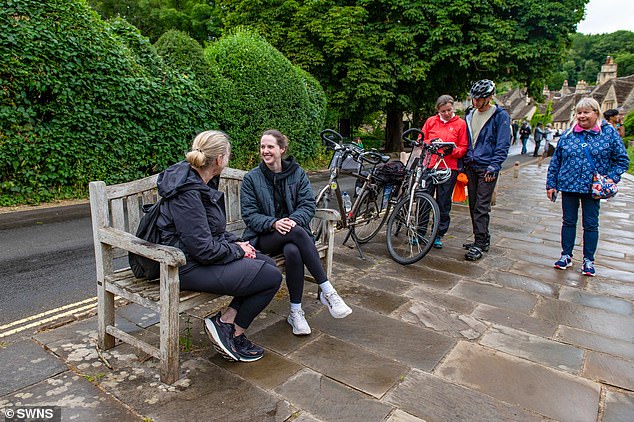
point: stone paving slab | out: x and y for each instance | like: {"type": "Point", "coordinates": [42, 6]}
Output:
{"type": "Point", "coordinates": [388, 337]}
{"type": "Point", "coordinates": [434, 399]}
{"type": "Point", "coordinates": [25, 363]}
{"type": "Point", "coordinates": [516, 320]}
{"type": "Point", "coordinates": [596, 342]}
{"type": "Point", "coordinates": [610, 370]}
{"type": "Point", "coordinates": [610, 304]}
{"type": "Point", "coordinates": [442, 320]}
{"type": "Point", "coordinates": [351, 365]}
{"type": "Point", "coordinates": [522, 282]}
{"type": "Point", "coordinates": [496, 296]}
{"type": "Point", "coordinates": [619, 407]}
{"type": "Point", "coordinates": [441, 299]}
{"type": "Point", "coordinates": [266, 373]}
{"type": "Point", "coordinates": [78, 398]}
{"type": "Point", "coordinates": [536, 349]}
{"type": "Point", "coordinates": [331, 401]}
{"type": "Point", "coordinates": [583, 317]}
{"type": "Point", "coordinates": [516, 381]}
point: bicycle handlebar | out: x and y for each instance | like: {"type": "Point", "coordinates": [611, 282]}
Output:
{"type": "Point", "coordinates": [331, 138]}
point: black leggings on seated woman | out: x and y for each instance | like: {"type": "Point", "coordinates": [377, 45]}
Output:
{"type": "Point", "coordinates": [251, 282]}
{"type": "Point", "coordinates": [299, 249]}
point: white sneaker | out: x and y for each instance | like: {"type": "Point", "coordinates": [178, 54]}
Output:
{"type": "Point", "coordinates": [299, 323]}
{"type": "Point", "coordinates": [335, 304]}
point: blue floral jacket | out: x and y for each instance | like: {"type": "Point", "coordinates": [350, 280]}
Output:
{"type": "Point", "coordinates": [570, 170]}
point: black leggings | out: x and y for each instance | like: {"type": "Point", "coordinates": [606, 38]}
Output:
{"type": "Point", "coordinates": [299, 250]}
{"type": "Point", "coordinates": [251, 282]}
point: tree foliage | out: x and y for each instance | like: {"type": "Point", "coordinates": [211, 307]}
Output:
{"type": "Point", "coordinates": [200, 19]}
{"type": "Point", "coordinates": [400, 55]}
{"type": "Point", "coordinates": [587, 53]}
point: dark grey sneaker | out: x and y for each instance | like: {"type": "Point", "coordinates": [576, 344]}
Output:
{"type": "Point", "coordinates": [474, 254]}
{"type": "Point", "coordinates": [470, 245]}
{"type": "Point", "coordinates": [247, 351]}
{"type": "Point", "coordinates": [221, 335]}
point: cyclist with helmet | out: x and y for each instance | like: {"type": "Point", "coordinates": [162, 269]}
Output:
{"type": "Point", "coordinates": [489, 130]}
{"type": "Point", "coordinates": [449, 128]}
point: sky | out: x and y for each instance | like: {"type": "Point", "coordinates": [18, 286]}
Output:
{"type": "Point", "coordinates": [605, 16]}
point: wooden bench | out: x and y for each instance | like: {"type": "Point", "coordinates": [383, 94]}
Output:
{"type": "Point", "coordinates": [116, 211]}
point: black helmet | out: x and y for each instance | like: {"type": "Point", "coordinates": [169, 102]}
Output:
{"type": "Point", "coordinates": [482, 89]}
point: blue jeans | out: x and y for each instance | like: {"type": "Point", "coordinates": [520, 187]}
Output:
{"type": "Point", "coordinates": [590, 220]}
{"type": "Point", "coordinates": [524, 141]}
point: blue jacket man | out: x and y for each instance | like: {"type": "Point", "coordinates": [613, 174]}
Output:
{"type": "Point", "coordinates": [489, 129]}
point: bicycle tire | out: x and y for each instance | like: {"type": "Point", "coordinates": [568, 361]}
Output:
{"type": "Point", "coordinates": [369, 218]}
{"type": "Point", "coordinates": [322, 200]}
{"type": "Point", "coordinates": [411, 232]}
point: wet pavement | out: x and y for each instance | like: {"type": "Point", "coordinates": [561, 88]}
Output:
{"type": "Point", "coordinates": [506, 338]}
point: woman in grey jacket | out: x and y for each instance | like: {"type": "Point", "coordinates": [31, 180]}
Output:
{"type": "Point", "coordinates": [277, 205]}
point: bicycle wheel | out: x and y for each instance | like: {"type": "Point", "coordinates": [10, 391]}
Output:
{"type": "Point", "coordinates": [369, 218]}
{"type": "Point", "coordinates": [411, 230]}
{"type": "Point", "coordinates": [323, 201]}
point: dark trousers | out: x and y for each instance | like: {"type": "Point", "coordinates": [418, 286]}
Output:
{"type": "Point", "coordinates": [299, 249]}
{"type": "Point", "coordinates": [536, 151]}
{"type": "Point", "coordinates": [590, 220]}
{"type": "Point", "coordinates": [251, 282]}
{"type": "Point", "coordinates": [480, 195]}
{"type": "Point", "coordinates": [443, 194]}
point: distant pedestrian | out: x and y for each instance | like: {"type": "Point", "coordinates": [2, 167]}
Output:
{"type": "Point", "coordinates": [489, 130]}
{"type": "Point", "coordinates": [515, 128]}
{"type": "Point", "coordinates": [538, 137]}
{"type": "Point", "coordinates": [525, 133]}
{"type": "Point", "coordinates": [613, 117]}
{"type": "Point", "coordinates": [570, 172]}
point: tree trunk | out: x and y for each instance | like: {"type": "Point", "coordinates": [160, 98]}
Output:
{"type": "Point", "coordinates": [393, 131]}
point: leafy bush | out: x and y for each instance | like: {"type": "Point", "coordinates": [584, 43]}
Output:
{"type": "Point", "coordinates": [185, 55]}
{"type": "Point", "coordinates": [260, 89]}
{"type": "Point", "coordinates": [84, 100]}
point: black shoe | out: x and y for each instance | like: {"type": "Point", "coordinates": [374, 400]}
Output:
{"type": "Point", "coordinates": [474, 254]}
{"type": "Point", "coordinates": [247, 351]}
{"type": "Point", "coordinates": [470, 245]}
{"type": "Point", "coordinates": [221, 335]}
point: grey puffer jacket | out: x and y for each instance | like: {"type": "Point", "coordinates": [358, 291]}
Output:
{"type": "Point", "coordinates": [258, 204]}
{"type": "Point", "coordinates": [194, 213]}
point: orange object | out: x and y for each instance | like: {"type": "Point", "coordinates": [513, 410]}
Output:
{"type": "Point", "coordinates": [459, 189]}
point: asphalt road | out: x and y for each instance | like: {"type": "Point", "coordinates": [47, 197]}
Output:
{"type": "Point", "coordinates": [47, 261]}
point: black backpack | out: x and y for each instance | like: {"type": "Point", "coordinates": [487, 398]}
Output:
{"type": "Point", "coordinates": [141, 266]}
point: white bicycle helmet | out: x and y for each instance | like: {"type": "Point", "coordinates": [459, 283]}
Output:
{"type": "Point", "coordinates": [440, 175]}
{"type": "Point", "coordinates": [482, 89]}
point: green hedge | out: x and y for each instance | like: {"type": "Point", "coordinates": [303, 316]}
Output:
{"type": "Point", "coordinates": [84, 100]}
{"type": "Point", "coordinates": [260, 89]}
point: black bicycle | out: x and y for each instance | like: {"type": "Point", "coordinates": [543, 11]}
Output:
{"type": "Point", "coordinates": [368, 212]}
{"type": "Point", "coordinates": [412, 226]}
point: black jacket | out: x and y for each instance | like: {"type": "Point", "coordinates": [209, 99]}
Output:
{"type": "Point", "coordinates": [259, 191]}
{"type": "Point", "coordinates": [195, 213]}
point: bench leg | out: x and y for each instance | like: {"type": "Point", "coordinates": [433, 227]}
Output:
{"type": "Point", "coordinates": [105, 316]}
{"type": "Point", "coordinates": [169, 324]}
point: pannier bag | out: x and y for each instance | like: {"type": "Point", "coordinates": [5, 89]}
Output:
{"type": "Point", "coordinates": [390, 173]}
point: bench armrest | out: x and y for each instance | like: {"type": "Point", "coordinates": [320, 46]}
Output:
{"type": "Point", "coordinates": [164, 254]}
{"type": "Point", "coordinates": [327, 214]}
